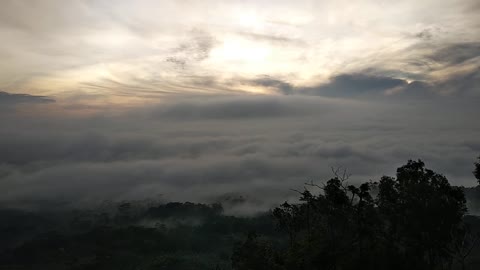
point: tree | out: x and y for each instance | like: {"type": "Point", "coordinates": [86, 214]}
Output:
{"type": "Point", "coordinates": [289, 219]}
{"type": "Point", "coordinates": [421, 213]}
{"type": "Point", "coordinates": [255, 254]}
{"type": "Point", "coordinates": [414, 222]}
{"type": "Point", "coordinates": [328, 227]}
{"type": "Point", "coordinates": [465, 241]}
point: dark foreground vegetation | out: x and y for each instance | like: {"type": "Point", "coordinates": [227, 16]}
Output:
{"type": "Point", "coordinates": [415, 220]}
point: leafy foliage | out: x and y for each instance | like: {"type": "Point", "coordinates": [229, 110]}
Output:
{"type": "Point", "coordinates": [414, 221]}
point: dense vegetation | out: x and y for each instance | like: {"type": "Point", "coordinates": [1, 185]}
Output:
{"type": "Point", "coordinates": [135, 235]}
{"type": "Point", "coordinates": [416, 220]}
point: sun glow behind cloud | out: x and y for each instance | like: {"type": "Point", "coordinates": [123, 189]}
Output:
{"type": "Point", "coordinates": [241, 51]}
{"type": "Point", "coordinates": [168, 46]}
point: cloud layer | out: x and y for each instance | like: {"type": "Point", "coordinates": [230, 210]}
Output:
{"type": "Point", "coordinates": [202, 148]}
{"type": "Point", "coordinates": [199, 100]}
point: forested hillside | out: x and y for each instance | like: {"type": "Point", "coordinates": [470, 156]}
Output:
{"type": "Point", "coordinates": [415, 220]}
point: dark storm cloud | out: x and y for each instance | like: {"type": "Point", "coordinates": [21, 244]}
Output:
{"type": "Point", "coordinates": [379, 83]}
{"type": "Point", "coordinates": [228, 108]}
{"type": "Point", "coordinates": [457, 53]}
{"type": "Point", "coordinates": [467, 83]}
{"type": "Point", "coordinates": [278, 85]}
{"type": "Point", "coordinates": [7, 99]}
{"type": "Point", "coordinates": [343, 85]}
{"type": "Point", "coordinates": [356, 85]}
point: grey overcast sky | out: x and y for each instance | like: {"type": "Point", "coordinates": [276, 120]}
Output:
{"type": "Point", "coordinates": [204, 100]}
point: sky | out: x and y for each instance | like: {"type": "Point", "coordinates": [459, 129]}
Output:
{"type": "Point", "coordinates": [214, 100]}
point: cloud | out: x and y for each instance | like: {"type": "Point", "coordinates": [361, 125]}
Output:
{"type": "Point", "coordinates": [144, 104]}
{"type": "Point", "coordinates": [278, 85]}
{"type": "Point", "coordinates": [356, 85]}
{"type": "Point", "coordinates": [53, 47]}
{"type": "Point", "coordinates": [425, 34]}
{"type": "Point", "coordinates": [7, 99]}
{"type": "Point", "coordinates": [344, 85]}
{"type": "Point", "coordinates": [462, 83]}
{"type": "Point", "coordinates": [196, 49]}
{"type": "Point", "coordinates": [379, 83]}
{"type": "Point", "coordinates": [237, 108]}
{"type": "Point", "coordinates": [283, 40]}
{"type": "Point", "coordinates": [200, 148]}
{"type": "Point", "coordinates": [457, 53]}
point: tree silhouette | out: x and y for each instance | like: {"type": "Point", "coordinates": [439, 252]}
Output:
{"type": "Point", "coordinates": [329, 226]}
{"type": "Point", "coordinates": [465, 241]}
{"type": "Point", "coordinates": [415, 221]}
{"type": "Point", "coordinates": [255, 254]}
{"type": "Point", "coordinates": [289, 220]}
{"type": "Point", "coordinates": [421, 212]}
